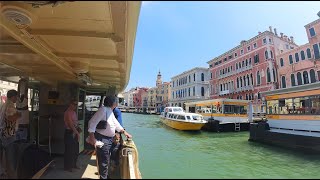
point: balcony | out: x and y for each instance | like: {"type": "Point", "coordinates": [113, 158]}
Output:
{"type": "Point", "coordinates": [245, 88]}
{"type": "Point", "coordinates": [234, 72]}
{"type": "Point", "coordinates": [226, 75]}
{"type": "Point", "coordinates": [244, 69]}
{"type": "Point", "coordinates": [226, 92]}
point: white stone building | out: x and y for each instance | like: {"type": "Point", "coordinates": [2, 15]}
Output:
{"type": "Point", "coordinates": [189, 86]}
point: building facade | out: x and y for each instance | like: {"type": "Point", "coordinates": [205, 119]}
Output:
{"type": "Point", "coordinates": [301, 65]}
{"type": "Point", "coordinates": [138, 101]}
{"type": "Point", "coordinates": [129, 97]}
{"type": "Point", "coordinates": [249, 68]}
{"type": "Point", "coordinates": [152, 94]}
{"type": "Point", "coordinates": [189, 86]}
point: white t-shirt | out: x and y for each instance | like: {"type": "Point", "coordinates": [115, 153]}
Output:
{"type": "Point", "coordinates": [112, 122]}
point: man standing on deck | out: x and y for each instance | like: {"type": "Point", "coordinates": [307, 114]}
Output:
{"type": "Point", "coordinates": [115, 147]}
{"type": "Point", "coordinates": [8, 120]}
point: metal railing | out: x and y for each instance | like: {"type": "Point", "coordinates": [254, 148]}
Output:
{"type": "Point", "coordinates": [234, 72]}
{"type": "Point", "coordinates": [250, 87]}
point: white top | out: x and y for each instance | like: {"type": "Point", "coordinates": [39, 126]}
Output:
{"type": "Point", "coordinates": [112, 122]}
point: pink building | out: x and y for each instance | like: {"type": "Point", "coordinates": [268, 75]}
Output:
{"type": "Point", "coordinates": [301, 65]}
{"type": "Point", "coordinates": [249, 68]}
{"type": "Point", "coordinates": [137, 97]}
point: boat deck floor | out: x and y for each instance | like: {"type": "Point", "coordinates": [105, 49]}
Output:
{"type": "Point", "coordinates": [86, 162]}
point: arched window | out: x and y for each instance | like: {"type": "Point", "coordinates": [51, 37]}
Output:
{"type": "Point", "coordinates": [237, 82]}
{"type": "Point", "coordinates": [251, 78]}
{"type": "Point", "coordinates": [239, 65]}
{"type": "Point", "coordinates": [299, 78]}
{"type": "Point", "coordinates": [258, 78]}
{"type": "Point", "coordinates": [189, 92]}
{"type": "Point", "coordinates": [249, 61]}
{"type": "Point", "coordinates": [246, 62]}
{"type": "Point", "coordinates": [305, 77]}
{"type": "Point", "coordinates": [242, 63]}
{"type": "Point", "coordinates": [268, 75]}
{"type": "Point", "coordinates": [240, 81]}
{"type": "Point", "coordinates": [220, 87]}
{"type": "Point", "coordinates": [194, 77]}
{"type": "Point", "coordinates": [266, 54]}
{"type": "Point", "coordinates": [246, 96]}
{"type": "Point", "coordinates": [309, 53]}
{"type": "Point", "coordinates": [236, 66]}
{"type": "Point", "coordinates": [274, 75]}
{"type": "Point", "coordinates": [283, 81]}
{"type": "Point", "coordinates": [271, 54]}
{"type": "Point", "coordinates": [248, 80]}
{"type": "Point", "coordinates": [202, 77]}
{"type": "Point", "coordinates": [303, 57]}
{"type": "Point", "coordinates": [297, 57]}
{"type": "Point", "coordinates": [202, 91]}
{"type": "Point", "coordinates": [293, 81]}
{"type": "Point", "coordinates": [312, 76]}
{"type": "Point", "coordinates": [281, 62]}
{"type": "Point", "coordinates": [244, 81]}
{"type": "Point", "coordinates": [290, 59]}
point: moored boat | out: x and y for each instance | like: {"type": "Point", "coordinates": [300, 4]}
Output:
{"type": "Point", "coordinates": [176, 118]}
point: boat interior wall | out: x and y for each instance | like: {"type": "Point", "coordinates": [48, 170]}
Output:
{"type": "Point", "coordinates": [57, 42]}
{"type": "Point", "coordinates": [54, 129]}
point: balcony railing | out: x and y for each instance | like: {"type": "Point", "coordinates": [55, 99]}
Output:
{"type": "Point", "coordinates": [244, 69]}
{"type": "Point", "coordinates": [250, 87]}
{"type": "Point", "coordinates": [226, 92]}
{"type": "Point", "coordinates": [236, 71]}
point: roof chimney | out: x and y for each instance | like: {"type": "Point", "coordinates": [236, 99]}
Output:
{"type": "Point", "coordinates": [259, 32]}
{"type": "Point", "coordinates": [291, 37]}
{"type": "Point", "coordinates": [270, 29]}
{"type": "Point", "coordinates": [275, 32]}
{"type": "Point", "coordinates": [281, 35]}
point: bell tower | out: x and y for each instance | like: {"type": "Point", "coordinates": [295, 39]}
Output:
{"type": "Point", "coordinates": [159, 81]}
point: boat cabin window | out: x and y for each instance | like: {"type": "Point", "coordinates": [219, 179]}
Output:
{"type": "Point", "coordinates": [188, 117]}
{"type": "Point", "coordinates": [181, 117]}
{"type": "Point", "coordinates": [235, 109]}
{"type": "Point", "coordinates": [178, 109]}
{"type": "Point", "coordinates": [298, 105]}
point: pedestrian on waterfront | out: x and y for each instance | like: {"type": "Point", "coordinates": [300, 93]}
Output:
{"type": "Point", "coordinates": [102, 127]}
{"type": "Point", "coordinates": [71, 137]}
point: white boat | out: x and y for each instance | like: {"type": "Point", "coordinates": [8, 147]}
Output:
{"type": "Point", "coordinates": [176, 118]}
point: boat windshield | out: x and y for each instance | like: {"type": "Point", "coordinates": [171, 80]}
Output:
{"type": "Point", "coordinates": [196, 117]}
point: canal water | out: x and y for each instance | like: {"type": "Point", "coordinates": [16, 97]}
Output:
{"type": "Point", "coordinates": [168, 153]}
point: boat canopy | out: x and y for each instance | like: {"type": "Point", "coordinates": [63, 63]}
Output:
{"type": "Point", "coordinates": [89, 43]}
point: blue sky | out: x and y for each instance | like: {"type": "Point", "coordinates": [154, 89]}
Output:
{"type": "Point", "coordinates": [174, 37]}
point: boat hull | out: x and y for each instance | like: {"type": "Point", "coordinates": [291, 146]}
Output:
{"type": "Point", "coordinates": [184, 126]}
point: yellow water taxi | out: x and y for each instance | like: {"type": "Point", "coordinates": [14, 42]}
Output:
{"type": "Point", "coordinates": [176, 118]}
